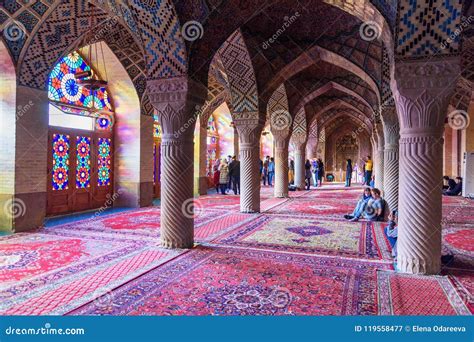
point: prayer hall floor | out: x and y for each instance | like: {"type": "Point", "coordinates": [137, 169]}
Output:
{"type": "Point", "coordinates": [297, 257]}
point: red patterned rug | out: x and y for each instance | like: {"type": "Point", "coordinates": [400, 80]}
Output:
{"type": "Point", "coordinates": [228, 281]}
{"type": "Point", "coordinates": [403, 294]}
{"type": "Point", "coordinates": [51, 272]}
{"type": "Point", "coordinates": [331, 207]}
{"type": "Point", "coordinates": [362, 240]}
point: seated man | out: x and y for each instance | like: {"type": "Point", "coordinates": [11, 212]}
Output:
{"type": "Point", "coordinates": [391, 232]}
{"type": "Point", "coordinates": [456, 190]}
{"type": "Point", "coordinates": [373, 211]}
{"type": "Point", "coordinates": [448, 183]}
{"type": "Point", "coordinates": [359, 209]}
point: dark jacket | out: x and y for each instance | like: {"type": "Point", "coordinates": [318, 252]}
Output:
{"type": "Point", "coordinates": [234, 168]}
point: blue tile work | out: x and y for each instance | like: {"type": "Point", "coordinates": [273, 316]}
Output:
{"type": "Point", "coordinates": [161, 35]}
{"type": "Point", "coordinates": [428, 27]}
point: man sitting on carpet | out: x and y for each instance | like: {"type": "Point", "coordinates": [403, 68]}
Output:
{"type": "Point", "coordinates": [456, 190]}
{"type": "Point", "coordinates": [361, 203]}
{"type": "Point", "coordinates": [391, 232]}
{"type": "Point", "coordinates": [373, 210]}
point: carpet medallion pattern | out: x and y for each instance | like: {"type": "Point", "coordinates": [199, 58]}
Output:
{"type": "Point", "coordinates": [234, 281]}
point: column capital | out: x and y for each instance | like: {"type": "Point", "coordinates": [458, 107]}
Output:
{"type": "Point", "coordinates": [391, 127]}
{"type": "Point", "coordinates": [249, 128]}
{"type": "Point", "coordinates": [175, 90]}
{"type": "Point", "coordinates": [422, 90]}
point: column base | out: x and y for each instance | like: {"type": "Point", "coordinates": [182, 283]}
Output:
{"type": "Point", "coordinates": [173, 244]}
{"type": "Point", "coordinates": [418, 266]}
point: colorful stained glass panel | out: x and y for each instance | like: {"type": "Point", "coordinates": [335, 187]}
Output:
{"type": "Point", "coordinates": [104, 162]}
{"type": "Point", "coordinates": [60, 169]}
{"type": "Point", "coordinates": [83, 166]}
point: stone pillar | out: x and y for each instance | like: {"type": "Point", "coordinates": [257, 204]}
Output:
{"type": "Point", "coordinates": [249, 131]}
{"type": "Point", "coordinates": [236, 142]}
{"type": "Point", "coordinates": [379, 179]}
{"type": "Point", "coordinates": [374, 154]}
{"type": "Point", "coordinates": [281, 165]}
{"type": "Point", "coordinates": [201, 148]}
{"type": "Point", "coordinates": [176, 100]}
{"type": "Point", "coordinates": [299, 147]}
{"type": "Point", "coordinates": [391, 130]}
{"type": "Point", "coordinates": [422, 90]}
{"type": "Point", "coordinates": [312, 148]}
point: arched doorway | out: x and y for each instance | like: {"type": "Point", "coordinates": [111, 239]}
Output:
{"type": "Point", "coordinates": [80, 144]}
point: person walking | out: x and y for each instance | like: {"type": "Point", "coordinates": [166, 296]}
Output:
{"type": "Point", "coordinates": [369, 165]}
{"type": "Point", "coordinates": [320, 171]}
{"type": "Point", "coordinates": [307, 174]}
{"type": "Point", "coordinates": [348, 172]}
{"type": "Point", "coordinates": [223, 176]}
{"type": "Point", "coordinates": [291, 172]}
{"type": "Point", "coordinates": [271, 171]}
{"type": "Point", "coordinates": [234, 175]}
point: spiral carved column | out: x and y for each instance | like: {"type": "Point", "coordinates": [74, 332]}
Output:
{"type": "Point", "coordinates": [379, 175]}
{"type": "Point", "coordinates": [176, 101]}
{"type": "Point", "coordinates": [249, 137]}
{"type": "Point", "coordinates": [299, 165]}
{"type": "Point", "coordinates": [281, 166]}
{"type": "Point", "coordinates": [422, 90]}
{"type": "Point", "coordinates": [391, 130]}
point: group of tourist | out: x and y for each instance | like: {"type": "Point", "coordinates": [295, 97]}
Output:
{"type": "Point", "coordinates": [267, 170]}
{"type": "Point", "coordinates": [227, 175]}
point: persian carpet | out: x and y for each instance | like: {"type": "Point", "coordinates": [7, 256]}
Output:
{"type": "Point", "coordinates": [362, 240]}
{"type": "Point", "coordinates": [52, 272]}
{"type": "Point", "coordinates": [316, 206]}
{"type": "Point", "coordinates": [404, 294]}
{"type": "Point", "coordinates": [233, 281]}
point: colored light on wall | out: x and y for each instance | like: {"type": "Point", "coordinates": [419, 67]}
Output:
{"type": "Point", "coordinates": [60, 170]}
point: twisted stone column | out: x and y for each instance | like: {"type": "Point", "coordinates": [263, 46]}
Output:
{"type": "Point", "coordinates": [281, 166]}
{"type": "Point", "coordinates": [249, 131]}
{"type": "Point", "coordinates": [422, 90]}
{"type": "Point", "coordinates": [176, 101]}
{"type": "Point", "coordinates": [391, 130]}
{"type": "Point", "coordinates": [300, 148]}
{"type": "Point", "coordinates": [379, 176]}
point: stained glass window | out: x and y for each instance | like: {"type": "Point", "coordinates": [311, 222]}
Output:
{"type": "Point", "coordinates": [83, 166]}
{"type": "Point", "coordinates": [211, 125]}
{"type": "Point", "coordinates": [60, 170]}
{"type": "Point", "coordinates": [104, 162]}
{"type": "Point", "coordinates": [63, 87]}
{"type": "Point", "coordinates": [156, 127]}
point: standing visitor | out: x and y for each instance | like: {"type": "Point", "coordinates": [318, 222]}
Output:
{"type": "Point", "coordinates": [291, 172]}
{"type": "Point", "coordinates": [368, 170]}
{"type": "Point", "coordinates": [234, 175]}
{"type": "Point", "coordinates": [307, 174]}
{"type": "Point", "coordinates": [215, 177]}
{"type": "Point", "coordinates": [314, 167]}
{"type": "Point", "coordinates": [348, 172]}
{"type": "Point", "coordinates": [321, 171]}
{"type": "Point", "coordinates": [265, 169]}
{"type": "Point", "coordinates": [271, 171]}
{"type": "Point", "coordinates": [224, 176]}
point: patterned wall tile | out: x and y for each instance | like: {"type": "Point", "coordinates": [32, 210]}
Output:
{"type": "Point", "coordinates": [426, 27]}
{"type": "Point", "coordinates": [39, 7]}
